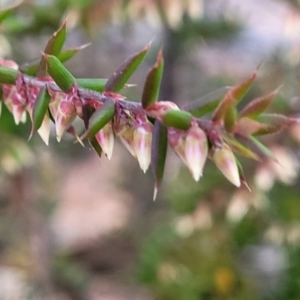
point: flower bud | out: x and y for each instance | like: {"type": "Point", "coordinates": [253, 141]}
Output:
{"type": "Point", "coordinates": [65, 115]}
{"type": "Point", "coordinates": [176, 140]}
{"type": "Point", "coordinates": [142, 139]}
{"type": "Point", "coordinates": [105, 138]}
{"type": "Point", "coordinates": [195, 151]}
{"type": "Point", "coordinates": [226, 163]}
{"type": "Point", "coordinates": [158, 109]}
{"type": "Point", "coordinates": [123, 128]}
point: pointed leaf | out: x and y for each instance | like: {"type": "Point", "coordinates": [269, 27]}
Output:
{"type": "Point", "coordinates": [274, 123]}
{"type": "Point", "coordinates": [242, 174]}
{"type": "Point", "coordinates": [117, 81]}
{"type": "Point", "coordinates": [67, 54]}
{"type": "Point", "coordinates": [5, 13]}
{"type": "Point", "coordinates": [53, 47]}
{"type": "Point", "coordinates": [100, 118]}
{"type": "Point", "coordinates": [230, 118]}
{"type": "Point", "coordinates": [267, 152]}
{"type": "Point", "coordinates": [153, 80]}
{"type": "Point", "coordinates": [93, 142]}
{"type": "Point", "coordinates": [232, 97]}
{"type": "Point", "coordinates": [40, 108]}
{"type": "Point", "coordinates": [239, 148]}
{"type": "Point", "coordinates": [8, 75]}
{"type": "Point", "coordinates": [95, 84]}
{"type": "Point", "coordinates": [257, 106]}
{"type": "Point", "coordinates": [256, 146]}
{"type": "Point", "coordinates": [32, 67]}
{"type": "Point", "coordinates": [62, 77]}
{"type": "Point", "coordinates": [158, 153]}
{"type": "Point", "coordinates": [207, 103]}
{"type": "Point", "coordinates": [179, 119]}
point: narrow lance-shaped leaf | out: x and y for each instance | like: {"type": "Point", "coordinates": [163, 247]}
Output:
{"type": "Point", "coordinates": [100, 118]}
{"type": "Point", "coordinates": [40, 108]}
{"type": "Point", "coordinates": [117, 81]}
{"type": "Point", "coordinates": [95, 84]}
{"type": "Point", "coordinates": [263, 148]}
{"type": "Point", "coordinates": [207, 103]}
{"type": "Point", "coordinates": [67, 54]}
{"type": "Point", "coordinates": [232, 97]}
{"type": "Point", "coordinates": [178, 119]}
{"type": "Point", "coordinates": [62, 77]}
{"type": "Point", "coordinates": [5, 13]}
{"type": "Point", "coordinates": [1, 100]}
{"type": "Point", "coordinates": [258, 105]}
{"type": "Point", "coordinates": [239, 148]}
{"type": "Point", "coordinates": [255, 146]}
{"type": "Point", "coordinates": [274, 123]}
{"type": "Point", "coordinates": [53, 47]}
{"type": "Point", "coordinates": [8, 75]}
{"type": "Point", "coordinates": [153, 81]}
{"type": "Point", "coordinates": [242, 174]}
{"type": "Point", "coordinates": [87, 113]}
{"type": "Point", "coordinates": [32, 67]}
{"type": "Point", "coordinates": [230, 118]}
{"type": "Point", "coordinates": [158, 153]}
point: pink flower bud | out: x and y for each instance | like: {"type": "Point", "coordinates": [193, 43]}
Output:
{"type": "Point", "coordinates": [176, 140]}
{"type": "Point", "coordinates": [8, 64]}
{"type": "Point", "coordinates": [123, 128]}
{"type": "Point", "coordinates": [56, 97]}
{"type": "Point", "coordinates": [226, 163]}
{"type": "Point", "coordinates": [195, 151]}
{"type": "Point", "coordinates": [65, 115]}
{"type": "Point", "coordinates": [159, 109]}
{"type": "Point", "coordinates": [142, 139]}
{"type": "Point", "coordinates": [15, 102]}
{"type": "Point", "coordinates": [105, 138]}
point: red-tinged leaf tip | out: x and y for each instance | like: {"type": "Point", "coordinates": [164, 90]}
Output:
{"type": "Point", "coordinates": [245, 183]}
{"type": "Point", "coordinates": [119, 78]}
{"type": "Point", "coordinates": [153, 81]}
{"type": "Point", "coordinates": [231, 98]}
{"type": "Point", "coordinates": [258, 105]}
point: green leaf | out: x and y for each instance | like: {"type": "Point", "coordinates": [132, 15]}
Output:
{"type": "Point", "coordinates": [274, 123]}
{"type": "Point", "coordinates": [8, 75]}
{"type": "Point", "coordinates": [256, 146]}
{"type": "Point", "coordinates": [207, 103]}
{"type": "Point", "coordinates": [258, 105]}
{"type": "Point", "coordinates": [95, 84]}
{"type": "Point", "coordinates": [242, 174]}
{"type": "Point", "coordinates": [53, 47]}
{"type": "Point", "coordinates": [32, 67]}
{"type": "Point", "coordinates": [62, 77]}
{"type": "Point", "coordinates": [153, 81]}
{"type": "Point", "coordinates": [230, 118]}
{"type": "Point", "coordinates": [178, 119]}
{"type": "Point", "coordinates": [40, 108]}
{"type": "Point", "coordinates": [5, 13]}
{"type": "Point", "coordinates": [239, 148]}
{"type": "Point", "coordinates": [158, 153]}
{"type": "Point", "coordinates": [117, 81]}
{"type": "Point", "coordinates": [67, 54]}
{"type": "Point", "coordinates": [93, 142]}
{"type": "Point", "coordinates": [100, 118]}
{"type": "Point", "coordinates": [232, 98]}
{"type": "Point", "coordinates": [266, 151]}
